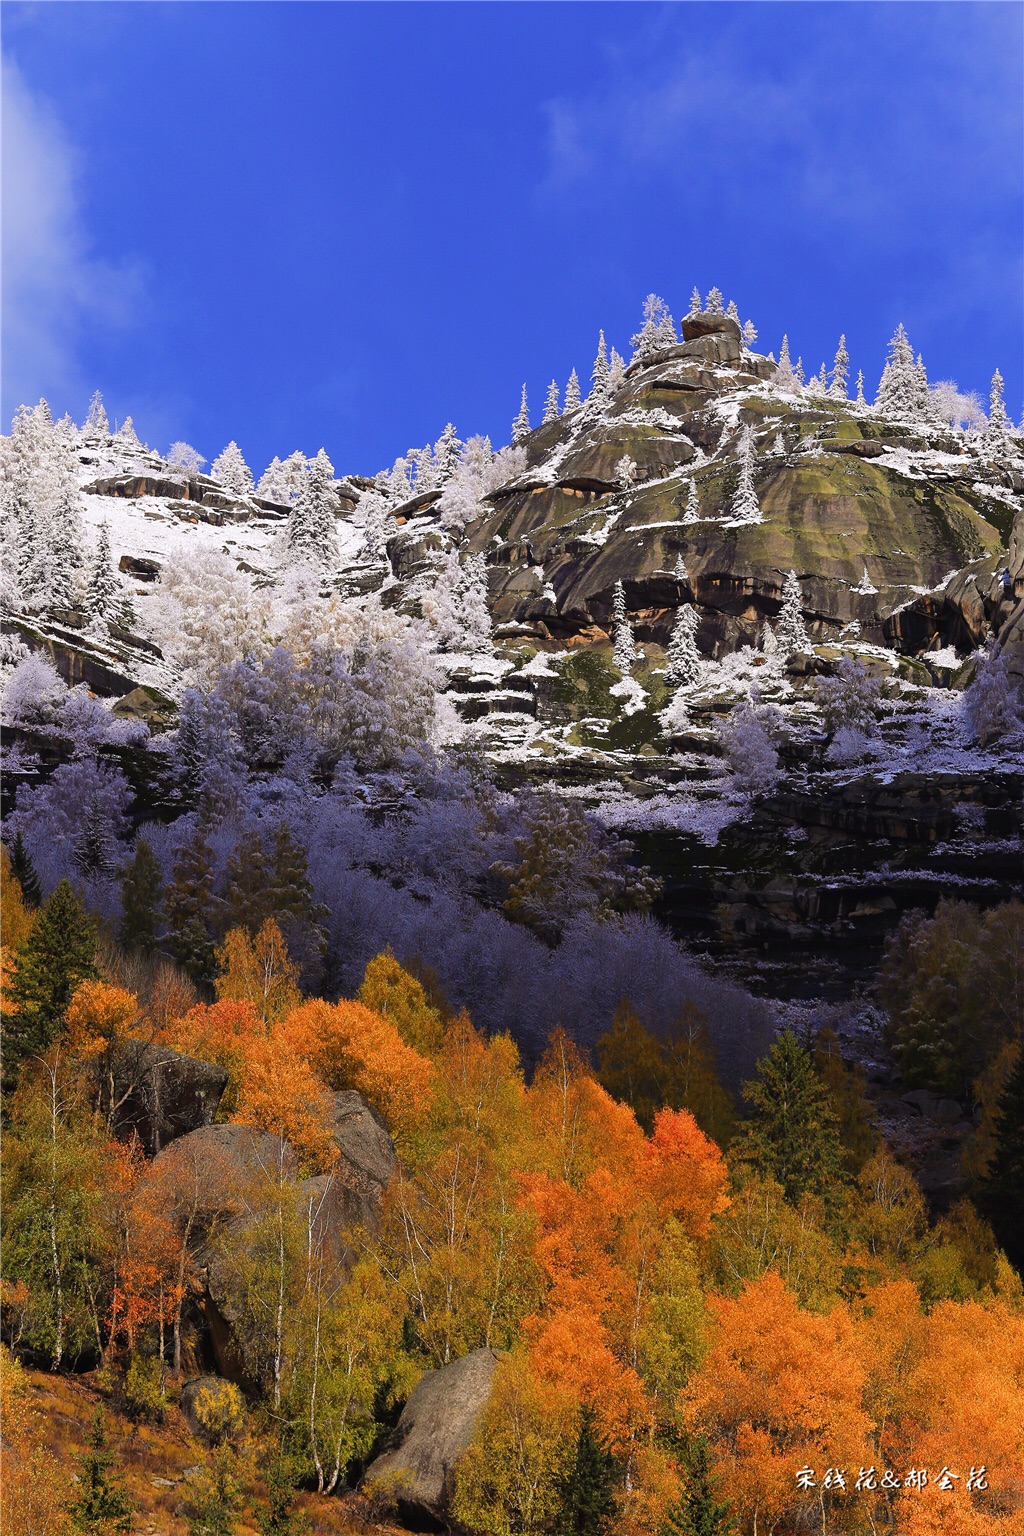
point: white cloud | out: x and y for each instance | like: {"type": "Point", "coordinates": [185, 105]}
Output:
{"type": "Point", "coordinates": [55, 290]}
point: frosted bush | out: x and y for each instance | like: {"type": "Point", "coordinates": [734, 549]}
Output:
{"type": "Point", "coordinates": [993, 705]}
{"type": "Point", "coordinates": [84, 718]}
{"type": "Point", "coordinates": [35, 692]}
{"type": "Point", "coordinates": [849, 745]}
{"type": "Point", "coordinates": [850, 699]}
{"type": "Point", "coordinates": [206, 613]}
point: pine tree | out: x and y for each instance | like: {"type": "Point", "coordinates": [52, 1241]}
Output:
{"type": "Point", "coordinates": [586, 1491]}
{"type": "Point", "coordinates": [899, 388]}
{"type": "Point", "coordinates": [624, 651]}
{"type": "Point", "coordinates": [189, 905]}
{"type": "Point", "coordinates": [230, 468]}
{"type": "Point", "coordinates": [679, 571]}
{"type": "Point", "coordinates": [521, 425]}
{"type": "Point", "coordinates": [93, 854]}
{"type": "Point", "coordinates": [860, 401]}
{"type": "Point", "coordinates": [733, 312]}
{"type": "Point", "coordinates": [126, 435]}
{"type": "Point", "coordinates": [998, 429]}
{"type": "Point", "coordinates": [96, 423]}
{"type": "Point", "coordinates": [65, 514]}
{"type": "Point", "coordinates": [691, 513]}
{"type": "Point", "coordinates": [713, 304]}
{"type": "Point", "coordinates": [24, 872]}
{"type": "Point", "coordinates": [446, 454]}
{"type": "Point", "coordinates": [140, 900]}
{"type": "Point", "coordinates": [104, 590]}
{"type": "Point", "coordinates": [790, 631]}
{"type": "Point", "coordinates": [684, 665]}
{"type": "Point", "coordinates": [572, 393]}
{"type": "Point", "coordinates": [820, 382]}
{"type": "Point", "coordinates": [745, 506]}
{"type": "Point", "coordinates": [551, 411]}
{"type": "Point", "coordinates": [215, 1498]}
{"type": "Point", "coordinates": [599, 373]}
{"type": "Point", "coordinates": [840, 372]}
{"type": "Point", "coordinates": [785, 376]}
{"type": "Point", "coordinates": [798, 372]}
{"type": "Point", "coordinates": [104, 1507]}
{"type": "Point", "coordinates": [658, 329]}
{"type": "Point", "coordinates": [696, 305]}
{"type": "Point", "coordinates": [749, 333]}
{"type": "Point", "coordinates": [793, 1133]}
{"type": "Point", "coordinates": [1002, 1193]}
{"type": "Point", "coordinates": [58, 955]}
{"type": "Point", "coordinates": [616, 372]}
{"type": "Point", "coordinates": [309, 532]}
{"type": "Point", "coordinates": [699, 1512]}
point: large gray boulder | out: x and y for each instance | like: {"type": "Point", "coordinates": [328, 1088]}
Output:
{"type": "Point", "coordinates": [158, 1095]}
{"type": "Point", "coordinates": [436, 1427]}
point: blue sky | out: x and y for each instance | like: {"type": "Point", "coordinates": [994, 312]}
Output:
{"type": "Point", "coordinates": [343, 224]}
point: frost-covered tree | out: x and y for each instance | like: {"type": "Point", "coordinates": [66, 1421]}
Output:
{"type": "Point", "coordinates": [551, 410]}
{"type": "Point", "coordinates": [714, 304]}
{"type": "Point", "coordinates": [126, 435]}
{"type": "Point", "coordinates": [96, 423]}
{"type": "Point", "coordinates": [378, 523]}
{"type": "Point", "coordinates": [691, 512]}
{"type": "Point", "coordinates": [282, 482]}
{"type": "Point", "coordinates": [819, 384]}
{"type": "Point", "coordinates": [998, 429]}
{"type": "Point", "coordinates": [599, 373]}
{"type": "Point", "coordinates": [798, 372]}
{"type": "Point", "coordinates": [34, 693]}
{"type": "Point", "coordinates": [624, 650]}
{"type": "Point", "coordinates": [572, 393]}
{"type": "Point", "coordinates": [616, 372]}
{"type": "Point", "coordinates": [103, 593]}
{"type": "Point", "coordinates": [860, 401]}
{"type": "Point", "coordinates": [790, 630]}
{"type": "Point", "coordinates": [679, 570]}
{"type": "Point", "coordinates": [849, 699]}
{"type": "Point", "coordinates": [684, 662]}
{"type": "Point", "coordinates": [183, 456]}
{"type": "Point", "coordinates": [65, 519]}
{"type": "Point", "coordinates": [785, 374]}
{"type": "Point", "coordinates": [993, 705]}
{"type": "Point", "coordinates": [840, 372]}
{"type": "Point", "coordinates": [747, 737]}
{"type": "Point", "coordinates": [480, 471]}
{"type": "Point", "coordinates": [749, 333]}
{"type": "Point", "coordinates": [454, 604]}
{"type": "Point", "coordinates": [745, 506]}
{"type": "Point", "coordinates": [696, 304]}
{"type": "Point", "coordinates": [899, 391]}
{"type": "Point", "coordinates": [446, 454]}
{"type": "Point", "coordinates": [205, 613]}
{"type": "Point", "coordinates": [658, 329]}
{"type": "Point", "coordinates": [521, 425]}
{"type": "Point", "coordinates": [230, 468]}
{"type": "Point", "coordinates": [625, 471]}
{"type": "Point", "coordinates": [732, 311]}
{"type": "Point", "coordinates": [309, 533]}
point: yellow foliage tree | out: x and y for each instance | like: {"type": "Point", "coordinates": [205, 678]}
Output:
{"type": "Point", "coordinates": [397, 996]}
{"type": "Point", "coordinates": [258, 971]}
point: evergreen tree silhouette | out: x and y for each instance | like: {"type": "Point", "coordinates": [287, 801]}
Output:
{"type": "Point", "coordinates": [24, 872]}
{"type": "Point", "coordinates": [105, 1507]}
{"type": "Point", "coordinates": [793, 1135]}
{"type": "Point", "coordinates": [140, 899]}
{"type": "Point", "coordinates": [57, 955]}
{"type": "Point", "coordinates": [587, 1490]}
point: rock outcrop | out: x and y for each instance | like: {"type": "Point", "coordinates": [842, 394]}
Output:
{"type": "Point", "coordinates": [158, 1095]}
{"type": "Point", "coordinates": [436, 1427]}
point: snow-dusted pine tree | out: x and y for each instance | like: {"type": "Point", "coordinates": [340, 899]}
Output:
{"type": "Point", "coordinates": [96, 423]}
{"type": "Point", "coordinates": [126, 435]}
{"type": "Point", "coordinates": [840, 372]}
{"type": "Point", "coordinates": [898, 389]}
{"type": "Point", "coordinates": [183, 456]}
{"type": "Point", "coordinates": [658, 329]}
{"type": "Point", "coordinates": [521, 425]}
{"type": "Point", "coordinates": [790, 630]}
{"type": "Point", "coordinates": [714, 304]}
{"type": "Point", "coordinates": [785, 376]}
{"type": "Point", "coordinates": [103, 594]}
{"type": "Point", "coordinates": [691, 512]}
{"type": "Point", "coordinates": [684, 664]}
{"type": "Point", "coordinates": [696, 304]}
{"type": "Point", "coordinates": [624, 650]}
{"type": "Point", "coordinates": [860, 401]}
{"type": "Point", "coordinates": [230, 468]}
{"type": "Point", "coordinates": [745, 506]}
{"type": "Point", "coordinates": [998, 429]}
{"type": "Point", "coordinates": [732, 311]}
{"type": "Point", "coordinates": [749, 333]}
{"type": "Point", "coordinates": [374, 512]}
{"type": "Point", "coordinates": [572, 393]}
{"type": "Point", "coordinates": [446, 454]}
{"type": "Point", "coordinates": [625, 471]}
{"type": "Point", "coordinates": [616, 372]}
{"type": "Point", "coordinates": [679, 570]}
{"type": "Point", "coordinates": [551, 411]}
{"type": "Point", "coordinates": [65, 515]}
{"type": "Point", "coordinates": [599, 374]}
{"type": "Point", "coordinates": [819, 384]}
{"type": "Point", "coordinates": [309, 531]}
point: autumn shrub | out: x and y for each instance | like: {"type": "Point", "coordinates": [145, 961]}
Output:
{"type": "Point", "coordinates": [218, 1409]}
{"type": "Point", "coordinates": [141, 1394]}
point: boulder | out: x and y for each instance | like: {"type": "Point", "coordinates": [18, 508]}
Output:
{"type": "Point", "coordinates": [435, 1428]}
{"type": "Point", "coordinates": [212, 1409]}
{"type": "Point", "coordinates": [142, 704]}
{"type": "Point", "coordinates": [694, 326]}
{"type": "Point", "coordinates": [349, 1197]}
{"type": "Point", "coordinates": [159, 1095]}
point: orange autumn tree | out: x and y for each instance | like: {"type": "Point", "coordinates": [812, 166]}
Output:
{"type": "Point", "coordinates": [259, 971]}
{"type": "Point", "coordinates": [781, 1388]}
